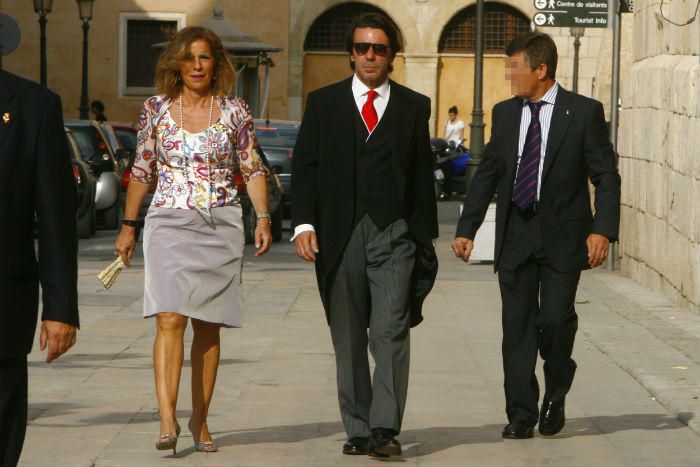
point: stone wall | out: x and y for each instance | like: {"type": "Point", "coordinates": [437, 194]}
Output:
{"type": "Point", "coordinates": [659, 150]}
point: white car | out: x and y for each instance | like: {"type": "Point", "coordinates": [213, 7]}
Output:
{"type": "Point", "coordinates": [102, 158]}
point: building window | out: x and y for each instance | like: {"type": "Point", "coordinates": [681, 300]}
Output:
{"type": "Point", "coordinates": [329, 32]}
{"type": "Point", "coordinates": [138, 58]}
{"type": "Point", "coordinates": [502, 23]}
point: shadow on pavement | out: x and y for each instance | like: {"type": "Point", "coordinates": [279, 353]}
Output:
{"type": "Point", "coordinates": [417, 442]}
{"type": "Point", "coordinates": [425, 441]}
{"type": "Point", "coordinates": [110, 361]}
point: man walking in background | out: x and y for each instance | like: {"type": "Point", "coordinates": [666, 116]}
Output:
{"type": "Point", "coordinates": [546, 143]}
{"type": "Point", "coordinates": [36, 178]}
{"type": "Point", "coordinates": [363, 208]}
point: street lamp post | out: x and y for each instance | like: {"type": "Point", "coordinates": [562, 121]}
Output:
{"type": "Point", "coordinates": [43, 7]}
{"type": "Point", "coordinates": [476, 127]}
{"type": "Point", "coordinates": [576, 33]}
{"type": "Point", "coordinates": [85, 10]}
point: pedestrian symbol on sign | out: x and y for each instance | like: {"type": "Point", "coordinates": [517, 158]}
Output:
{"type": "Point", "coordinates": [551, 4]}
{"type": "Point", "coordinates": [540, 19]}
{"type": "Point", "coordinates": [540, 4]}
{"type": "Point", "coordinates": [550, 20]}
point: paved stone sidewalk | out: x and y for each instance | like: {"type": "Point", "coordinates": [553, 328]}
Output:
{"type": "Point", "coordinates": [275, 402]}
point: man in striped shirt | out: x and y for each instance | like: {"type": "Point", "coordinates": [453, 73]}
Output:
{"type": "Point", "coordinates": [546, 144]}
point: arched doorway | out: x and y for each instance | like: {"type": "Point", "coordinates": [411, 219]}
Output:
{"type": "Point", "coordinates": [502, 23]}
{"type": "Point", "coordinates": [325, 57]}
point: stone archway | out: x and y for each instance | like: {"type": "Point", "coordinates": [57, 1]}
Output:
{"type": "Point", "coordinates": [454, 45]}
{"type": "Point", "coordinates": [447, 10]}
{"type": "Point", "coordinates": [325, 54]}
{"type": "Point", "coordinates": [304, 14]}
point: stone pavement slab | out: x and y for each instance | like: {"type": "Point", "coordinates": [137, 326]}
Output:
{"type": "Point", "coordinates": [275, 404]}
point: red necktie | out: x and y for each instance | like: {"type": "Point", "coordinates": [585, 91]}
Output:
{"type": "Point", "coordinates": [369, 114]}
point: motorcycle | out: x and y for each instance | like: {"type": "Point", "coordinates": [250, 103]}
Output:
{"type": "Point", "coordinates": [449, 168]}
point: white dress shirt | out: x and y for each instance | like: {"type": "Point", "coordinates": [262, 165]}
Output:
{"type": "Point", "coordinates": [359, 92]}
{"type": "Point", "coordinates": [546, 110]}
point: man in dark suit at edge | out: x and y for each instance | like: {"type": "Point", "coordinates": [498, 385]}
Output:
{"type": "Point", "coordinates": [36, 177]}
{"type": "Point", "coordinates": [363, 208]}
{"type": "Point", "coordinates": [546, 143]}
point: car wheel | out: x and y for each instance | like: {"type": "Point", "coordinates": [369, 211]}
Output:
{"type": "Point", "coordinates": [111, 217]}
{"type": "Point", "coordinates": [276, 224]}
{"type": "Point", "coordinates": [93, 223]}
{"type": "Point", "coordinates": [249, 222]}
{"type": "Point", "coordinates": [86, 224]}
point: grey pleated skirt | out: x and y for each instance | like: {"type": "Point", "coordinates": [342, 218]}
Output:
{"type": "Point", "coordinates": [194, 268]}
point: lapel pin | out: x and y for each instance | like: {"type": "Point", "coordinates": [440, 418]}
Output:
{"type": "Point", "coordinates": [567, 112]}
{"type": "Point", "coordinates": [6, 118]}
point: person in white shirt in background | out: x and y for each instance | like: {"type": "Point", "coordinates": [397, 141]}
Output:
{"type": "Point", "coordinates": [454, 129]}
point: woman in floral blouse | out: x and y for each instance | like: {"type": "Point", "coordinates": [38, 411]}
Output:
{"type": "Point", "coordinates": [192, 137]}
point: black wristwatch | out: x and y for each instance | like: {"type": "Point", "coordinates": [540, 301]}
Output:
{"type": "Point", "coordinates": [131, 223]}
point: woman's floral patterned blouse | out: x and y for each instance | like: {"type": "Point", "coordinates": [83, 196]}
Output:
{"type": "Point", "coordinates": [180, 165]}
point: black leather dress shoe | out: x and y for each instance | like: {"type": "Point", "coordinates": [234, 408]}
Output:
{"type": "Point", "coordinates": [382, 443]}
{"type": "Point", "coordinates": [552, 418]}
{"type": "Point", "coordinates": [517, 431]}
{"type": "Point", "coordinates": [357, 446]}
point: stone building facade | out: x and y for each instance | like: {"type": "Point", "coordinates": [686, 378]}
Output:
{"type": "Point", "coordinates": [446, 77]}
{"type": "Point", "coordinates": [660, 152]}
{"type": "Point", "coordinates": [113, 22]}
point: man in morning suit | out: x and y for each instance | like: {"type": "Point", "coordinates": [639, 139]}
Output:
{"type": "Point", "coordinates": [364, 211]}
{"type": "Point", "coordinates": [36, 179]}
{"type": "Point", "coordinates": [546, 144]}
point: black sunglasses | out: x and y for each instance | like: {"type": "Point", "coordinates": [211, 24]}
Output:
{"type": "Point", "coordinates": [363, 47]}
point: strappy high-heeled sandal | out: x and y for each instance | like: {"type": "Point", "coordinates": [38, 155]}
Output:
{"type": "Point", "coordinates": [202, 446]}
{"type": "Point", "coordinates": [167, 442]}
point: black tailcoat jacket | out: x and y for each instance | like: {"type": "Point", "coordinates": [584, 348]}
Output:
{"type": "Point", "coordinates": [578, 150]}
{"type": "Point", "coordinates": [323, 179]}
{"type": "Point", "coordinates": [36, 179]}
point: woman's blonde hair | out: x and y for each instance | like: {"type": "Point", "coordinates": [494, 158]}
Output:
{"type": "Point", "coordinates": [168, 80]}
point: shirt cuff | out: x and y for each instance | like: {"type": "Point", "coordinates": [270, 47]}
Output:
{"type": "Point", "coordinates": [302, 228]}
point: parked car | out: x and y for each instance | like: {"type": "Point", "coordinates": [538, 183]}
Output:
{"type": "Point", "coordinates": [103, 160]}
{"type": "Point", "coordinates": [277, 139]}
{"type": "Point", "coordinates": [86, 184]}
{"type": "Point", "coordinates": [124, 136]}
{"type": "Point", "coordinates": [275, 193]}
{"type": "Point", "coordinates": [118, 137]}
{"type": "Point", "coordinates": [125, 133]}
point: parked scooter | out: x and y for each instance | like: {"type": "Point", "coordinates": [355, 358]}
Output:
{"type": "Point", "coordinates": [449, 169]}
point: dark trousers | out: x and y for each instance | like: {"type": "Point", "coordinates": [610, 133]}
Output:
{"type": "Point", "coordinates": [13, 409]}
{"type": "Point", "coordinates": [538, 314]}
{"type": "Point", "coordinates": [368, 305]}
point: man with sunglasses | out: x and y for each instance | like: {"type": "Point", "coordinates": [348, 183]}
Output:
{"type": "Point", "coordinates": [363, 209]}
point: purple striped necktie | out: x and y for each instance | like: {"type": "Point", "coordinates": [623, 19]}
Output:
{"type": "Point", "coordinates": [525, 188]}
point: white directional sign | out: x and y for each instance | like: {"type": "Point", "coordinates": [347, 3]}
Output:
{"type": "Point", "coordinates": [571, 13]}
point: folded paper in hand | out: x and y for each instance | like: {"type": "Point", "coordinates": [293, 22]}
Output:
{"type": "Point", "coordinates": [109, 275]}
